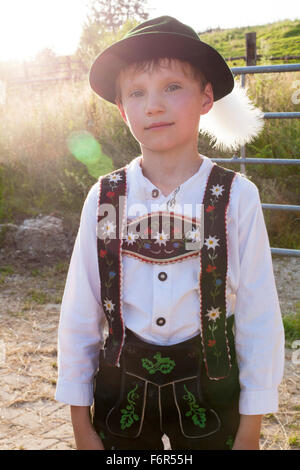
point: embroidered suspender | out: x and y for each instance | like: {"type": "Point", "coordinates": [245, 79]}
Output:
{"type": "Point", "coordinates": [109, 244]}
{"type": "Point", "coordinates": [213, 272]}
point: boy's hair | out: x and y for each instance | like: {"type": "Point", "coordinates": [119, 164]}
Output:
{"type": "Point", "coordinates": [155, 64]}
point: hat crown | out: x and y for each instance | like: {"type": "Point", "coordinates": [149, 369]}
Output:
{"type": "Point", "coordinates": [163, 24]}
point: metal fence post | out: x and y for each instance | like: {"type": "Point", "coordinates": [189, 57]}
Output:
{"type": "Point", "coordinates": [250, 48]}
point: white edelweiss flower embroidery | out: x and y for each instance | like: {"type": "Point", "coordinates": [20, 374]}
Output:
{"type": "Point", "coordinates": [161, 238]}
{"type": "Point", "coordinates": [108, 228]}
{"type": "Point", "coordinates": [115, 178]}
{"type": "Point", "coordinates": [194, 235]}
{"type": "Point", "coordinates": [131, 237]}
{"type": "Point", "coordinates": [217, 190]}
{"type": "Point", "coordinates": [211, 242]}
{"type": "Point", "coordinates": [213, 313]}
{"type": "Point", "coordinates": [109, 306]}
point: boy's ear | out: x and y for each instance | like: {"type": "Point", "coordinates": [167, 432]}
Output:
{"type": "Point", "coordinates": [121, 109]}
{"type": "Point", "coordinates": [208, 98]}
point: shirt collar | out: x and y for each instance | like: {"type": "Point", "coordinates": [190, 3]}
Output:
{"type": "Point", "coordinates": [141, 189]}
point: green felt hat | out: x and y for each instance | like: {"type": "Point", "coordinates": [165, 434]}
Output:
{"type": "Point", "coordinates": [160, 37]}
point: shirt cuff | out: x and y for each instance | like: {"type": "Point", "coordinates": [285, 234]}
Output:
{"type": "Point", "coordinates": [76, 394]}
{"type": "Point", "coordinates": [258, 402]}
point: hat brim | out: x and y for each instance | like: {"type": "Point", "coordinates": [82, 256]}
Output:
{"type": "Point", "coordinates": [107, 65]}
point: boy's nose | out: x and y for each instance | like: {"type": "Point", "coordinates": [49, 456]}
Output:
{"type": "Point", "coordinates": [154, 105]}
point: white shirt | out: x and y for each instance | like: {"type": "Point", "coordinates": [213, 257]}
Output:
{"type": "Point", "coordinates": [251, 294]}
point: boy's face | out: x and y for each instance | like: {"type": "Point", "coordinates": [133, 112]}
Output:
{"type": "Point", "coordinates": [166, 97]}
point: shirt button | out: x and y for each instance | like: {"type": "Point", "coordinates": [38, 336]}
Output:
{"type": "Point", "coordinates": [162, 276]}
{"type": "Point", "coordinates": [161, 321]}
{"type": "Point", "coordinates": [155, 193]}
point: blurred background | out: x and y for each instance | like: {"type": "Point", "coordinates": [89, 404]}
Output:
{"type": "Point", "coordinates": [57, 136]}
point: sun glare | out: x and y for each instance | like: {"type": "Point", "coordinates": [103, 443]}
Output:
{"type": "Point", "coordinates": [28, 26]}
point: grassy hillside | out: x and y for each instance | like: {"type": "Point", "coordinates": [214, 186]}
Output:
{"type": "Point", "coordinates": [274, 39]}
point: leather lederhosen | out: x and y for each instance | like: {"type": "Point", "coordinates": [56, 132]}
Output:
{"type": "Point", "coordinates": [155, 392]}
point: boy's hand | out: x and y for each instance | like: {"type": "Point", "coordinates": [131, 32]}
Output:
{"type": "Point", "coordinates": [249, 444]}
{"type": "Point", "coordinates": [89, 440]}
{"type": "Point", "coordinates": [247, 437]}
{"type": "Point", "coordinates": [85, 435]}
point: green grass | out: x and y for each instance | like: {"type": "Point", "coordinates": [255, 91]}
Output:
{"type": "Point", "coordinates": [276, 39]}
{"type": "Point", "coordinates": [7, 269]}
{"type": "Point", "coordinates": [294, 440]}
{"type": "Point", "coordinates": [292, 325]}
{"type": "Point", "coordinates": [38, 296]}
{"type": "Point", "coordinates": [35, 272]}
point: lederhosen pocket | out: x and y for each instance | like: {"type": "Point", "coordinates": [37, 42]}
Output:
{"type": "Point", "coordinates": [143, 364]}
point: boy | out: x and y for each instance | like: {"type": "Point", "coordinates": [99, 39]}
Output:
{"type": "Point", "coordinates": [195, 345]}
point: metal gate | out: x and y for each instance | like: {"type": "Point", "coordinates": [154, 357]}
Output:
{"type": "Point", "coordinates": [242, 160]}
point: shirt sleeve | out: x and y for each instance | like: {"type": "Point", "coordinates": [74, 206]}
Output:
{"type": "Point", "coordinates": [259, 332]}
{"type": "Point", "coordinates": [81, 317]}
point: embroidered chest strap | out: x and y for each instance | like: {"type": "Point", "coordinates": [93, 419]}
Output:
{"type": "Point", "coordinates": [213, 274]}
{"type": "Point", "coordinates": [110, 217]}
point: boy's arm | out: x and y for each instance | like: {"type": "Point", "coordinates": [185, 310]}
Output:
{"type": "Point", "coordinates": [259, 333]}
{"type": "Point", "coordinates": [86, 437]}
{"type": "Point", "coordinates": [80, 332]}
{"type": "Point", "coordinates": [247, 437]}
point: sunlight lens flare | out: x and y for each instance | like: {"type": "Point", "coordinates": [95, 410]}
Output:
{"type": "Point", "coordinates": [84, 147]}
{"type": "Point", "coordinates": [87, 150]}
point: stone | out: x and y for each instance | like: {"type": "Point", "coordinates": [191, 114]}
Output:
{"type": "Point", "coordinates": [41, 237]}
{"type": "Point", "coordinates": [36, 239]}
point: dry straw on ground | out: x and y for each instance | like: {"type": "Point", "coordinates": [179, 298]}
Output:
{"type": "Point", "coordinates": [30, 418]}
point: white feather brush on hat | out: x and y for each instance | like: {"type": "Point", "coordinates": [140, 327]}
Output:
{"type": "Point", "coordinates": [232, 121]}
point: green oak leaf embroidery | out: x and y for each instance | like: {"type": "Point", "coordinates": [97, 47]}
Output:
{"type": "Point", "coordinates": [128, 414]}
{"type": "Point", "coordinates": [163, 364]}
{"type": "Point", "coordinates": [230, 442]}
{"type": "Point", "coordinates": [197, 413]}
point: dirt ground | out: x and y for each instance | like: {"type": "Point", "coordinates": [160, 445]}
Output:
{"type": "Point", "coordinates": [30, 418]}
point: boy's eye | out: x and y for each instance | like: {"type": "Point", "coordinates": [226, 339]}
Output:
{"type": "Point", "coordinates": [136, 93]}
{"type": "Point", "coordinates": [173, 87]}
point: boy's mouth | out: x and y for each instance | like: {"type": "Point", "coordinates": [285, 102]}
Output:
{"type": "Point", "coordinates": [160, 124]}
